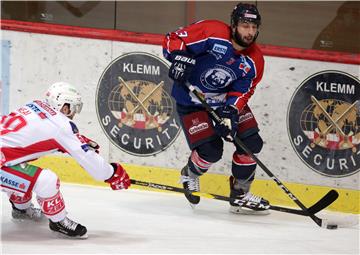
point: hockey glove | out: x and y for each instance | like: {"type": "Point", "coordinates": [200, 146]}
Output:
{"type": "Point", "coordinates": [94, 146]}
{"type": "Point", "coordinates": [181, 67]}
{"type": "Point", "coordinates": [228, 127]}
{"type": "Point", "coordinates": [120, 179]}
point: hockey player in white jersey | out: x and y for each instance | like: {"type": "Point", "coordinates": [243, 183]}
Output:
{"type": "Point", "coordinates": [39, 128]}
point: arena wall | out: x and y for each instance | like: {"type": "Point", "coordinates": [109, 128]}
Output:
{"type": "Point", "coordinates": [37, 55]}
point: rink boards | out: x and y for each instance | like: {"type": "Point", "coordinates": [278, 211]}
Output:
{"type": "Point", "coordinates": [69, 171]}
{"type": "Point", "coordinates": [74, 56]}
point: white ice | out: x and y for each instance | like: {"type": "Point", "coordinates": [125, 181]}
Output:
{"type": "Point", "coordinates": [135, 221]}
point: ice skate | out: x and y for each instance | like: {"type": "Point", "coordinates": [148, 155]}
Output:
{"type": "Point", "coordinates": [31, 213]}
{"type": "Point", "coordinates": [191, 184]}
{"type": "Point", "coordinates": [69, 228]}
{"type": "Point", "coordinates": [242, 202]}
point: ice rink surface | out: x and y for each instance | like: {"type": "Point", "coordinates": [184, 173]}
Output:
{"type": "Point", "coordinates": [134, 221]}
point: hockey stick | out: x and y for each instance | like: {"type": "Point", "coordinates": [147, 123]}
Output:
{"type": "Point", "coordinates": [238, 142]}
{"type": "Point", "coordinates": [320, 205]}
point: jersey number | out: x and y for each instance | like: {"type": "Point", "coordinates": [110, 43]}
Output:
{"type": "Point", "coordinates": [181, 33]}
{"type": "Point", "coordinates": [11, 123]}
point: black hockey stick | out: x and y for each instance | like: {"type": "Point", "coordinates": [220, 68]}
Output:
{"type": "Point", "coordinates": [320, 205]}
{"type": "Point", "coordinates": [238, 142]}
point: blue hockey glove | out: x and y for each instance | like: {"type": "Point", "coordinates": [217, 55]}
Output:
{"type": "Point", "coordinates": [229, 126]}
{"type": "Point", "coordinates": [181, 67]}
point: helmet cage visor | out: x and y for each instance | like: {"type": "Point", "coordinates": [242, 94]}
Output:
{"type": "Point", "coordinates": [72, 101]}
{"type": "Point", "coordinates": [76, 108]}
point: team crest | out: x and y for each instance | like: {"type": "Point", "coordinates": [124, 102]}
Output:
{"type": "Point", "coordinates": [134, 105]}
{"type": "Point", "coordinates": [324, 123]}
{"type": "Point", "coordinates": [217, 77]}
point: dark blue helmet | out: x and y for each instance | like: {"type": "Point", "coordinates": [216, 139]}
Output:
{"type": "Point", "coordinates": [245, 13]}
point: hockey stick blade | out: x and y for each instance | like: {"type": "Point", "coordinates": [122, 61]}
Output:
{"type": "Point", "coordinates": [324, 202]}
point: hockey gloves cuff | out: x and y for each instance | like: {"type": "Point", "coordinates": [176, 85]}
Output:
{"type": "Point", "coordinates": [120, 179]}
{"type": "Point", "coordinates": [229, 126]}
{"type": "Point", "coordinates": [181, 67]}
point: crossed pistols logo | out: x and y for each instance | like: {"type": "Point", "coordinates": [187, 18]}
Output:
{"type": "Point", "coordinates": [134, 105]}
{"type": "Point", "coordinates": [324, 123]}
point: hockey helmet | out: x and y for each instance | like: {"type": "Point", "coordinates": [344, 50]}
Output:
{"type": "Point", "coordinates": [245, 13]}
{"type": "Point", "coordinates": [61, 93]}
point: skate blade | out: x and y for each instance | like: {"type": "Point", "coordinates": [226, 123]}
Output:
{"type": "Point", "coordinates": [27, 219]}
{"type": "Point", "coordinates": [64, 236]}
{"type": "Point", "coordinates": [193, 206]}
{"type": "Point", "coordinates": [247, 211]}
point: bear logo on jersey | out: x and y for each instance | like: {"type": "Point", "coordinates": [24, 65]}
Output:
{"type": "Point", "coordinates": [218, 77]}
{"type": "Point", "coordinates": [134, 105]}
{"type": "Point", "coordinates": [324, 123]}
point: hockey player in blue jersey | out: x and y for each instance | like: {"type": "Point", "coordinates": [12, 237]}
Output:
{"type": "Point", "coordinates": [223, 63]}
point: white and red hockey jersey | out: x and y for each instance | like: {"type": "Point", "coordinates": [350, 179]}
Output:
{"type": "Point", "coordinates": [36, 129]}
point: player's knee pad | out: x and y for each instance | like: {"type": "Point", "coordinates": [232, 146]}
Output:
{"type": "Point", "coordinates": [243, 167]}
{"type": "Point", "coordinates": [254, 143]}
{"type": "Point", "coordinates": [211, 151]}
{"type": "Point", "coordinates": [47, 184]}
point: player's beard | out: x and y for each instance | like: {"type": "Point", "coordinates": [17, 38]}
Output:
{"type": "Point", "coordinates": [239, 40]}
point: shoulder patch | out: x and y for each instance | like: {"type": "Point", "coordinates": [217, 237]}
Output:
{"type": "Point", "coordinates": [219, 48]}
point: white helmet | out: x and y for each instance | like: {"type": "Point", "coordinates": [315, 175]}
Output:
{"type": "Point", "coordinates": [61, 93]}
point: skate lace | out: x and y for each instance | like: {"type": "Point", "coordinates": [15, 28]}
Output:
{"type": "Point", "coordinates": [69, 224]}
{"type": "Point", "coordinates": [252, 198]}
{"type": "Point", "coordinates": [193, 183]}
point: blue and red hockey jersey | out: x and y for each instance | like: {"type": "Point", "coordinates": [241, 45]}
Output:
{"type": "Point", "coordinates": [223, 74]}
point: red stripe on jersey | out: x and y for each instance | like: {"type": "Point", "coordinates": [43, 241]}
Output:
{"type": "Point", "coordinates": [13, 189]}
{"type": "Point", "coordinates": [13, 153]}
{"type": "Point", "coordinates": [256, 57]}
